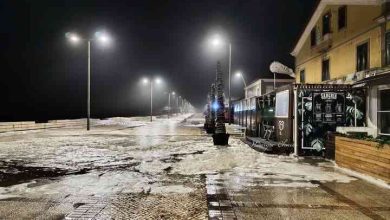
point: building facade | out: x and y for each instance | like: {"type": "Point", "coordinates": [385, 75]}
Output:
{"type": "Point", "coordinates": [348, 42]}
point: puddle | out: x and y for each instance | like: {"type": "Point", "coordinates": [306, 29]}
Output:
{"type": "Point", "coordinates": [174, 158]}
{"type": "Point", "coordinates": [16, 174]}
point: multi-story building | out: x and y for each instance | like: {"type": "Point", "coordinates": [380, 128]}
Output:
{"type": "Point", "coordinates": [348, 42]}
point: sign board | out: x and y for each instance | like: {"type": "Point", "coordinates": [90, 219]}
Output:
{"type": "Point", "coordinates": [329, 107]}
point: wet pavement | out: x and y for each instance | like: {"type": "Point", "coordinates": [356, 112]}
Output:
{"type": "Point", "coordinates": [129, 168]}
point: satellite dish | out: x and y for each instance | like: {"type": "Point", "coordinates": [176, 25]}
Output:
{"type": "Point", "coordinates": [277, 67]}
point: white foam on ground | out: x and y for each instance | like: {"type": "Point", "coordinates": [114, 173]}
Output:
{"type": "Point", "coordinates": [242, 160]}
{"type": "Point", "coordinates": [77, 149]}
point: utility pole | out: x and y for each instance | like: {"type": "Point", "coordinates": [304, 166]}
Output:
{"type": "Point", "coordinates": [230, 81]}
{"type": "Point", "coordinates": [151, 100]}
{"type": "Point", "coordinates": [169, 104]}
{"type": "Point", "coordinates": [89, 87]}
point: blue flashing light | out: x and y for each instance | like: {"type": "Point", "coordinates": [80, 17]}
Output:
{"type": "Point", "coordinates": [215, 106]}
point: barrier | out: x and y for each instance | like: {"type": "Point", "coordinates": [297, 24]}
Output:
{"type": "Point", "coordinates": [31, 125]}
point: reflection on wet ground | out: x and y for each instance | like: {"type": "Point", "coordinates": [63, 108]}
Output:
{"type": "Point", "coordinates": [240, 195]}
{"type": "Point", "coordinates": [14, 172]}
{"type": "Point", "coordinates": [133, 169]}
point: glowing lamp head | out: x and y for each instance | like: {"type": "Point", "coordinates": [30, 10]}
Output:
{"type": "Point", "coordinates": [145, 80]}
{"type": "Point", "coordinates": [73, 37]}
{"type": "Point", "coordinates": [216, 41]}
{"type": "Point", "coordinates": [173, 93]}
{"type": "Point", "coordinates": [238, 74]}
{"type": "Point", "coordinates": [158, 80]}
{"type": "Point", "coordinates": [102, 37]}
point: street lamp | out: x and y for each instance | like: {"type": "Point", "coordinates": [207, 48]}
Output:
{"type": "Point", "coordinates": [102, 37]}
{"type": "Point", "coordinates": [216, 41]}
{"type": "Point", "coordinates": [169, 102]}
{"type": "Point", "coordinates": [239, 74]}
{"type": "Point", "coordinates": [179, 101]}
{"type": "Point", "coordinates": [146, 81]}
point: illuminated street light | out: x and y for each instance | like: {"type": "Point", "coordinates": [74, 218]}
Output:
{"type": "Point", "coordinates": [217, 41]}
{"type": "Point", "coordinates": [157, 81]}
{"type": "Point", "coordinates": [74, 38]}
{"type": "Point", "coordinates": [102, 37]}
{"type": "Point", "coordinates": [239, 74]}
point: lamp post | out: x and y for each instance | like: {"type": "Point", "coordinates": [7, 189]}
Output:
{"type": "Point", "coordinates": [217, 41]}
{"type": "Point", "coordinates": [75, 39]}
{"type": "Point", "coordinates": [169, 102]}
{"type": "Point", "coordinates": [157, 81]}
{"type": "Point", "coordinates": [179, 103]}
{"type": "Point", "coordinates": [239, 74]}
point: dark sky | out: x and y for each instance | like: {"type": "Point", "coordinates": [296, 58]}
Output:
{"type": "Point", "coordinates": [43, 76]}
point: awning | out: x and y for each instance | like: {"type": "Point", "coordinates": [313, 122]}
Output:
{"type": "Point", "coordinates": [378, 79]}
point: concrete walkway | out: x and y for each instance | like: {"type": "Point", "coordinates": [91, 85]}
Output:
{"type": "Point", "coordinates": [129, 168]}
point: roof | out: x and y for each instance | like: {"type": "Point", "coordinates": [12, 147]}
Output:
{"type": "Point", "coordinates": [318, 12]}
{"type": "Point", "coordinates": [269, 80]}
{"type": "Point", "coordinates": [254, 83]}
{"type": "Point", "coordinates": [376, 77]}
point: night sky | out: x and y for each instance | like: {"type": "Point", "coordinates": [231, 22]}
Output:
{"type": "Point", "coordinates": [43, 76]}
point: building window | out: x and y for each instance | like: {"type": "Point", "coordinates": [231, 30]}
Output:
{"type": "Point", "coordinates": [387, 45]}
{"type": "Point", "coordinates": [313, 37]}
{"type": "Point", "coordinates": [362, 57]}
{"type": "Point", "coordinates": [302, 76]}
{"type": "Point", "coordinates": [325, 70]}
{"type": "Point", "coordinates": [342, 19]}
{"type": "Point", "coordinates": [326, 23]}
{"type": "Point", "coordinates": [384, 112]}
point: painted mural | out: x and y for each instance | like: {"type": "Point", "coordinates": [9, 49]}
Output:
{"type": "Point", "coordinates": [321, 111]}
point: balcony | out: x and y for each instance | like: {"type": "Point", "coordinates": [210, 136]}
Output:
{"type": "Point", "coordinates": [324, 44]}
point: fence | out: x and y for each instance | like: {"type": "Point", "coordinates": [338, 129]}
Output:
{"type": "Point", "coordinates": [31, 125]}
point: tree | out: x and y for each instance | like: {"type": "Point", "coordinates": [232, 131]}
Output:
{"type": "Point", "coordinates": [220, 122]}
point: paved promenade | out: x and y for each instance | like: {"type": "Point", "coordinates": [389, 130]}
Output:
{"type": "Point", "coordinates": [129, 168]}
